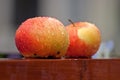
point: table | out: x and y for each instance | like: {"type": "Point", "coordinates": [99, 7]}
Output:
{"type": "Point", "coordinates": [59, 69]}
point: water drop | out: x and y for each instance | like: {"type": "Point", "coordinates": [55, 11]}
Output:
{"type": "Point", "coordinates": [62, 33]}
{"type": "Point", "coordinates": [48, 31]}
{"type": "Point", "coordinates": [53, 34]}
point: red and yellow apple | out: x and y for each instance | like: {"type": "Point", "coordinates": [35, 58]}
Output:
{"type": "Point", "coordinates": [85, 39]}
{"type": "Point", "coordinates": [42, 37]}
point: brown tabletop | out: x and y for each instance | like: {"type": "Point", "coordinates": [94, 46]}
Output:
{"type": "Point", "coordinates": [59, 69]}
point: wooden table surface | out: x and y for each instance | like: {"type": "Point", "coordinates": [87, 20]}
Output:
{"type": "Point", "coordinates": [59, 69]}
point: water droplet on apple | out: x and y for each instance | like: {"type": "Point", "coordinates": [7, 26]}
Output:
{"type": "Point", "coordinates": [53, 34]}
{"type": "Point", "coordinates": [48, 31]}
{"type": "Point", "coordinates": [37, 39]}
{"type": "Point", "coordinates": [62, 33]}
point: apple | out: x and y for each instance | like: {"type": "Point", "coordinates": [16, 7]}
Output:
{"type": "Point", "coordinates": [85, 39]}
{"type": "Point", "coordinates": [42, 37]}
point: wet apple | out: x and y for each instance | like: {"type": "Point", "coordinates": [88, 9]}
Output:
{"type": "Point", "coordinates": [42, 37]}
{"type": "Point", "coordinates": [85, 39]}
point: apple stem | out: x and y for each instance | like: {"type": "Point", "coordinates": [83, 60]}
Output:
{"type": "Point", "coordinates": [71, 22]}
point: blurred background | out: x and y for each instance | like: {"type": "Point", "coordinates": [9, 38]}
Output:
{"type": "Point", "coordinates": [104, 13]}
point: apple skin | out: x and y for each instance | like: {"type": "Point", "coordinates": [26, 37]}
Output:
{"type": "Point", "coordinates": [42, 37]}
{"type": "Point", "coordinates": [85, 39]}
